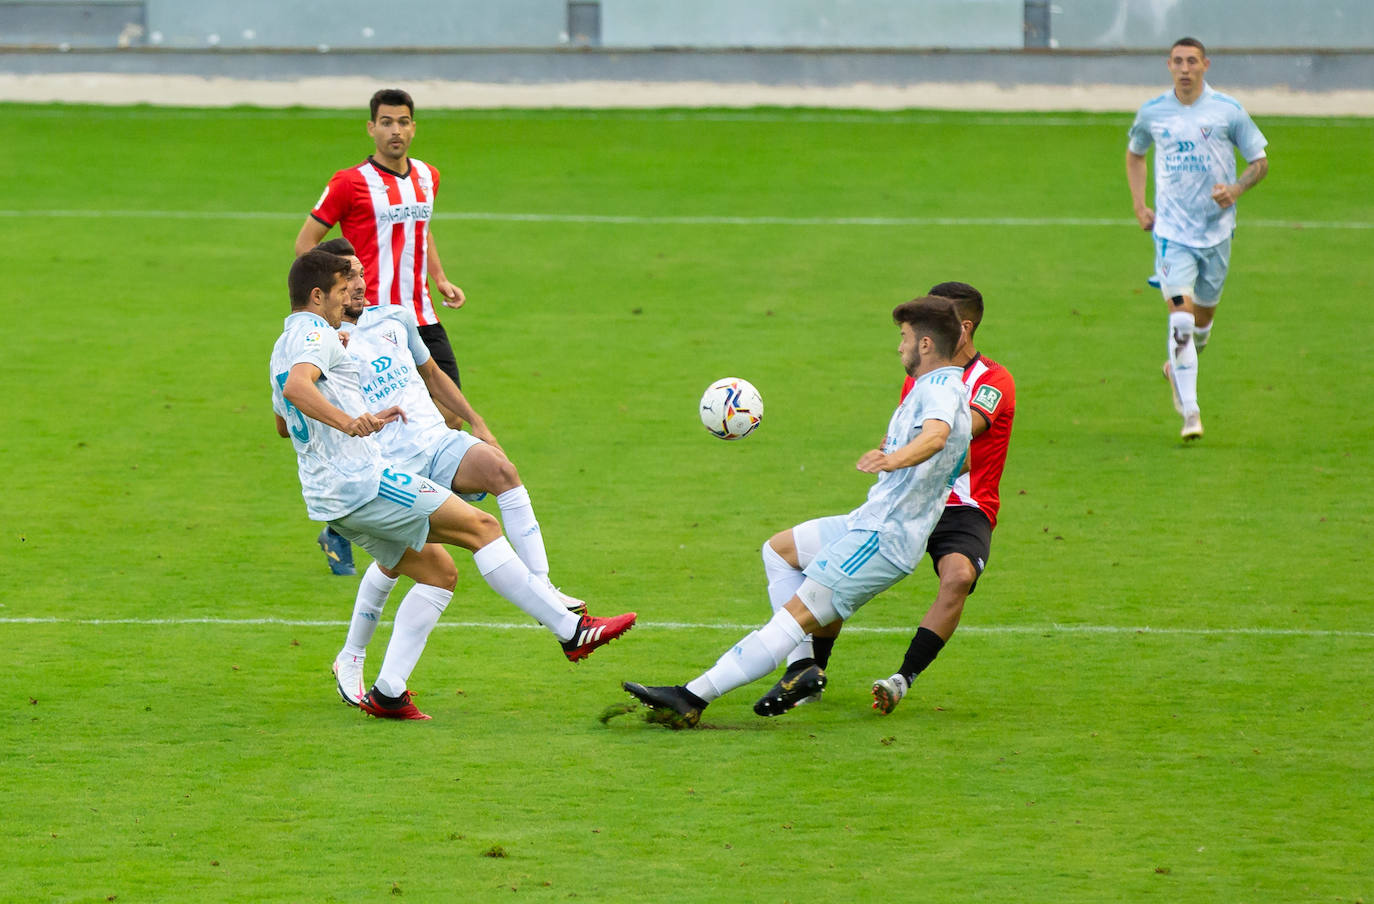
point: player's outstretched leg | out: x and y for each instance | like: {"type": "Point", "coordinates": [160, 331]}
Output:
{"type": "Point", "coordinates": [677, 707]}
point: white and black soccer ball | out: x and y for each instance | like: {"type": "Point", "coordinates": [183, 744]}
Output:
{"type": "Point", "coordinates": [731, 408]}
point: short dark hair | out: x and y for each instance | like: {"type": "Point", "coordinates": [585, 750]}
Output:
{"type": "Point", "coordinates": [342, 247]}
{"type": "Point", "coordinates": [968, 301]}
{"type": "Point", "coordinates": [392, 97]}
{"type": "Point", "coordinates": [314, 269]}
{"type": "Point", "coordinates": [933, 316]}
{"type": "Point", "coordinates": [1189, 42]}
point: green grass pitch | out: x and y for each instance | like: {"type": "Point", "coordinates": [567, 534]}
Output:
{"type": "Point", "coordinates": [1161, 689]}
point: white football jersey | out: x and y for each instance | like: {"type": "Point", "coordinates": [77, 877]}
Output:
{"type": "Point", "coordinates": [388, 350]}
{"type": "Point", "coordinates": [904, 505]}
{"type": "Point", "coordinates": [339, 473]}
{"type": "Point", "coordinates": [1193, 152]}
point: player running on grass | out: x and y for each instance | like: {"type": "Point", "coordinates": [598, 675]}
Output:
{"type": "Point", "coordinates": [399, 517]}
{"type": "Point", "coordinates": [1195, 132]}
{"type": "Point", "coordinates": [960, 544]}
{"type": "Point", "coordinates": [397, 369]}
{"type": "Point", "coordinates": [827, 568]}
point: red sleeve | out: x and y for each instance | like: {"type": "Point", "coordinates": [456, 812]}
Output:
{"type": "Point", "coordinates": [434, 171]}
{"type": "Point", "coordinates": [994, 394]}
{"type": "Point", "coordinates": [335, 201]}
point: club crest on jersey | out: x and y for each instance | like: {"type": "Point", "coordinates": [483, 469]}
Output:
{"type": "Point", "coordinates": [390, 336]}
{"type": "Point", "coordinates": [1206, 133]}
{"type": "Point", "coordinates": [987, 398]}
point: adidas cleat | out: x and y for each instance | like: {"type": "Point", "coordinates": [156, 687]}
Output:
{"type": "Point", "coordinates": [797, 686]}
{"type": "Point", "coordinates": [375, 703]}
{"type": "Point", "coordinates": [888, 692]}
{"type": "Point", "coordinates": [338, 551]}
{"type": "Point", "coordinates": [348, 677]}
{"type": "Point", "coordinates": [675, 706]}
{"type": "Point", "coordinates": [594, 632]}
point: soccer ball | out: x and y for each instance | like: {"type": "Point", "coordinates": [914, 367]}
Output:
{"type": "Point", "coordinates": [731, 408]}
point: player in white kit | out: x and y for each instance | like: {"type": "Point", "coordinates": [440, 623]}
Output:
{"type": "Point", "coordinates": [1195, 132]}
{"type": "Point", "coordinates": [398, 369]}
{"type": "Point", "coordinates": [826, 569]}
{"type": "Point", "coordinates": [399, 517]}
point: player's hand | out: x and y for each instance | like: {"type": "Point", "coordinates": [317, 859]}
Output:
{"type": "Point", "coordinates": [485, 435]}
{"type": "Point", "coordinates": [1146, 217]}
{"type": "Point", "coordinates": [387, 415]}
{"type": "Point", "coordinates": [873, 462]}
{"type": "Point", "coordinates": [1225, 195]}
{"type": "Point", "coordinates": [364, 424]}
{"type": "Point", "coordinates": [453, 296]}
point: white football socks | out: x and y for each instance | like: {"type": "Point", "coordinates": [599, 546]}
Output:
{"type": "Point", "coordinates": [508, 576]}
{"type": "Point", "coordinates": [416, 616]}
{"type": "Point", "coordinates": [1200, 335]}
{"type": "Point", "coordinates": [750, 659]}
{"type": "Point", "coordinates": [373, 590]}
{"type": "Point", "coordinates": [1183, 359]}
{"type": "Point", "coordinates": [522, 529]}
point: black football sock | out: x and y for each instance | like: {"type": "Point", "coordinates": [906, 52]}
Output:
{"type": "Point", "coordinates": [821, 648]}
{"type": "Point", "coordinates": [925, 646]}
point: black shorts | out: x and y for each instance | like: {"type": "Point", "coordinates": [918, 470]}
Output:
{"type": "Point", "coordinates": [436, 340]}
{"type": "Point", "coordinates": [965, 530]}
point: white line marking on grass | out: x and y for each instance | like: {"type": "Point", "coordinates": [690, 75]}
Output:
{"type": "Point", "coordinates": [706, 220]}
{"type": "Point", "coordinates": [707, 626]}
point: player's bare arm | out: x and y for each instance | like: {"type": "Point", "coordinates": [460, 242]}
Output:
{"type": "Point", "coordinates": [452, 295]}
{"type": "Point", "coordinates": [1136, 175]}
{"type": "Point", "coordinates": [1226, 195]}
{"type": "Point", "coordinates": [932, 438]}
{"type": "Point", "coordinates": [444, 391]}
{"type": "Point", "coordinates": [281, 427]}
{"type": "Point", "coordinates": [300, 390]}
{"type": "Point", "coordinates": [311, 234]}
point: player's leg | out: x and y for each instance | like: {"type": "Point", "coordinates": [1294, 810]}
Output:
{"type": "Point", "coordinates": [959, 548]}
{"type": "Point", "coordinates": [373, 589]}
{"type": "Point", "coordinates": [455, 523]}
{"type": "Point", "coordinates": [435, 577]}
{"type": "Point", "coordinates": [1178, 269]}
{"type": "Point", "coordinates": [785, 556]}
{"type": "Point", "coordinates": [1212, 270]}
{"type": "Point", "coordinates": [473, 469]}
{"type": "Point", "coordinates": [393, 529]}
{"type": "Point", "coordinates": [753, 657]}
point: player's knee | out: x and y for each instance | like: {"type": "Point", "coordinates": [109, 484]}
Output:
{"type": "Point", "coordinates": [485, 527]}
{"type": "Point", "coordinates": [785, 545]}
{"type": "Point", "coordinates": [957, 574]}
{"type": "Point", "coordinates": [504, 475]}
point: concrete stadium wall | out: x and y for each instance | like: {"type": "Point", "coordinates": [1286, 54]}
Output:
{"type": "Point", "coordinates": [702, 24]}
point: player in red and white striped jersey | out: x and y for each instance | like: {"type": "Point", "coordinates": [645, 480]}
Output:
{"type": "Point", "coordinates": [384, 206]}
{"type": "Point", "coordinates": [961, 542]}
